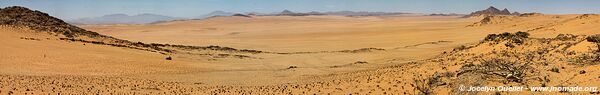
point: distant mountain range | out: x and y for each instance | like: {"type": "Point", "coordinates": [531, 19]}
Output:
{"type": "Point", "coordinates": [291, 13]}
{"type": "Point", "coordinates": [152, 18]}
{"type": "Point", "coordinates": [450, 14]}
{"type": "Point", "coordinates": [362, 13]}
{"type": "Point", "coordinates": [492, 11]}
{"type": "Point", "coordinates": [216, 13]}
{"type": "Point", "coordinates": [338, 13]}
{"type": "Point", "coordinates": [124, 19]}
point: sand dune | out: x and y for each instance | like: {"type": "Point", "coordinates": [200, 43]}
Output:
{"type": "Point", "coordinates": [540, 25]}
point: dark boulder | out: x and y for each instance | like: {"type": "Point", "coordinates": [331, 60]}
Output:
{"type": "Point", "coordinates": [169, 58]}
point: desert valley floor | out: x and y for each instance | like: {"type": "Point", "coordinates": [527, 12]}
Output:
{"type": "Point", "coordinates": [305, 55]}
{"type": "Point", "coordinates": [318, 45]}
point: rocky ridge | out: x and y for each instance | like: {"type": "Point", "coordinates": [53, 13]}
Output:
{"type": "Point", "coordinates": [491, 11]}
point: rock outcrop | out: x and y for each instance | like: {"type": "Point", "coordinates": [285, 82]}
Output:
{"type": "Point", "coordinates": [492, 11]}
{"type": "Point", "coordinates": [39, 21]}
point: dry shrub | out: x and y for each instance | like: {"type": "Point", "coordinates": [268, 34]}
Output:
{"type": "Point", "coordinates": [426, 86]}
{"type": "Point", "coordinates": [593, 38]}
{"type": "Point", "coordinates": [511, 71]}
{"type": "Point", "coordinates": [585, 59]}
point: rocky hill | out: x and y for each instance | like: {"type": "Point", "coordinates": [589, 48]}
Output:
{"type": "Point", "coordinates": [514, 59]}
{"type": "Point", "coordinates": [492, 11]}
{"type": "Point", "coordinates": [36, 20]}
{"type": "Point", "coordinates": [17, 16]}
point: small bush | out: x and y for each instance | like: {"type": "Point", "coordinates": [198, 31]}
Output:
{"type": "Point", "coordinates": [169, 58]}
{"type": "Point", "coordinates": [461, 47]}
{"type": "Point", "coordinates": [490, 37]}
{"type": "Point", "coordinates": [292, 67]}
{"type": "Point", "coordinates": [522, 34]}
{"type": "Point", "coordinates": [361, 62]}
{"type": "Point", "coordinates": [556, 70]}
{"type": "Point", "coordinates": [511, 71]}
{"type": "Point", "coordinates": [585, 59]}
{"type": "Point", "coordinates": [426, 86]}
{"type": "Point", "coordinates": [595, 38]}
{"type": "Point", "coordinates": [509, 45]}
{"type": "Point", "coordinates": [423, 86]}
{"type": "Point", "coordinates": [518, 37]}
{"type": "Point", "coordinates": [565, 37]}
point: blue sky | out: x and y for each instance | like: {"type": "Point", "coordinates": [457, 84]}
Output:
{"type": "Point", "coordinates": [72, 9]}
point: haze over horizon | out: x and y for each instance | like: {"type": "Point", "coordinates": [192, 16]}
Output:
{"type": "Point", "coordinates": [74, 9]}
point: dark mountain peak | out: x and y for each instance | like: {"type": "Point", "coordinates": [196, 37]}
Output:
{"type": "Point", "coordinates": [39, 21]}
{"type": "Point", "coordinates": [505, 11]}
{"type": "Point", "coordinates": [490, 11]}
{"type": "Point", "coordinates": [492, 8]}
{"type": "Point", "coordinates": [287, 12]}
